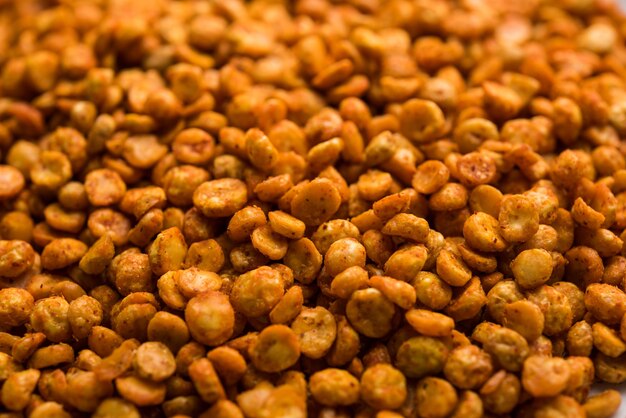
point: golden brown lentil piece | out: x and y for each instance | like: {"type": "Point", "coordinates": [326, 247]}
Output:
{"type": "Point", "coordinates": [346, 345]}
{"type": "Point", "coordinates": [52, 355]}
{"type": "Point", "coordinates": [23, 155]}
{"type": "Point", "coordinates": [17, 226]}
{"type": "Point", "coordinates": [210, 318]}
{"type": "Point", "coordinates": [139, 391]}
{"type": "Point", "coordinates": [397, 291]}
{"type": "Point", "coordinates": [16, 306]}
{"type": "Point", "coordinates": [275, 349]}
{"type": "Point", "coordinates": [488, 199]}
{"type": "Point", "coordinates": [115, 407]}
{"type": "Point", "coordinates": [98, 256]}
{"type": "Point", "coordinates": [108, 221]}
{"type": "Point", "coordinates": [249, 399]}
{"type": "Point", "coordinates": [132, 320]}
{"type": "Point", "coordinates": [607, 340]}
{"type": "Point", "coordinates": [62, 252]}
{"type": "Point", "coordinates": [229, 363]}
{"type": "Point", "coordinates": [256, 292]}
{"type": "Point", "coordinates": [12, 182]}
{"type": "Point", "coordinates": [580, 339]}
{"type": "Point", "coordinates": [532, 268]}
{"type": "Point", "coordinates": [52, 170]}
{"type": "Point", "coordinates": [316, 329]}
{"type": "Point", "coordinates": [180, 182]}
{"type": "Point", "coordinates": [430, 176]}
{"type": "Point", "coordinates": [383, 387]}
{"type": "Point", "coordinates": [430, 323]}
{"type": "Point", "coordinates": [50, 316]}
{"type": "Point", "coordinates": [469, 405]}
{"type": "Point", "coordinates": [343, 254]}
{"type": "Point", "coordinates": [334, 387]}
{"type": "Point", "coordinates": [525, 318]}
{"type": "Point", "coordinates": [269, 243]}
{"type": "Point", "coordinates": [475, 168]}
{"type": "Point", "coordinates": [507, 347]}
{"type": "Point", "coordinates": [206, 381]}
{"type": "Point", "coordinates": [154, 361]}
{"type": "Point", "coordinates": [435, 398]}
{"type": "Point", "coordinates": [18, 388]}
{"type": "Point", "coordinates": [421, 120]}
{"type": "Point", "coordinates": [260, 150]}
{"type": "Point", "coordinates": [193, 146]}
{"type": "Point", "coordinates": [421, 356]}
{"type": "Point", "coordinates": [468, 302]}
{"type": "Point", "coordinates": [104, 187]}
{"type": "Point", "coordinates": [468, 367]}
{"type": "Point", "coordinates": [451, 196]}
{"type": "Point", "coordinates": [478, 261]}
{"type": "Point", "coordinates": [370, 312]}
{"type": "Point", "coordinates": [192, 282]}
{"type": "Point", "coordinates": [555, 306]}
{"type": "Point", "coordinates": [289, 306]}
{"type": "Point", "coordinates": [602, 405]}
{"type": "Point", "coordinates": [168, 329]}
{"type": "Point", "coordinates": [586, 216]}
{"type": "Point", "coordinates": [92, 390]}
{"type": "Point", "coordinates": [47, 409]}
{"type": "Point", "coordinates": [304, 259]}
{"type": "Point", "coordinates": [605, 302]}
{"type": "Point", "coordinates": [316, 202]}
{"type": "Point", "coordinates": [609, 369]}
{"type": "Point", "coordinates": [245, 257]}
{"type": "Point", "coordinates": [27, 345]}
{"type": "Point", "coordinates": [407, 226]}
{"type": "Point", "coordinates": [332, 231]}
{"type": "Point", "coordinates": [482, 232]}
{"type": "Point", "coordinates": [452, 269]}
{"type": "Point", "coordinates": [543, 376]}
{"type": "Point", "coordinates": [169, 292]}
{"type": "Point", "coordinates": [130, 272]}
{"type": "Point", "coordinates": [244, 221]}
{"type": "Point", "coordinates": [518, 218]}
{"type": "Point", "coordinates": [223, 409]}
{"type": "Point", "coordinates": [501, 393]}
{"type": "Point", "coordinates": [103, 340]}
{"type": "Point", "coordinates": [286, 225]}
{"type": "Point", "coordinates": [220, 198]}
{"type": "Point", "coordinates": [391, 205]}
{"type": "Point", "coordinates": [473, 132]}
{"type": "Point", "coordinates": [431, 290]}
{"type": "Point", "coordinates": [139, 201]}
{"type": "Point", "coordinates": [273, 188]}
{"type": "Point", "coordinates": [168, 251]}
{"type": "Point", "coordinates": [378, 246]}
{"type": "Point", "coordinates": [146, 228]}
{"type": "Point", "coordinates": [173, 217]}
{"type": "Point", "coordinates": [324, 154]}
{"type": "Point", "coordinates": [83, 314]}
{"type": "Point", "coordinates": [206, 255]}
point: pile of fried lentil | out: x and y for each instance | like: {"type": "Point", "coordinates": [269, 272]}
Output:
{"type": "Point", "coordinates": [323, 208]}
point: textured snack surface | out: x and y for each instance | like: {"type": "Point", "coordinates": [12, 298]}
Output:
{"type": "Point", "coordinates": [323, 208]}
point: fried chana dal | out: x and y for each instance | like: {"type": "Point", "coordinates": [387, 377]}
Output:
{"type": "Point", "coordinates": [312, 208]}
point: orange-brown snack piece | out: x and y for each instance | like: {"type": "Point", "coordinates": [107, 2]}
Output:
{"type": "Point", "coordinates": [275, 349]}
{"type": "Point", "coordinates": [210, 317]}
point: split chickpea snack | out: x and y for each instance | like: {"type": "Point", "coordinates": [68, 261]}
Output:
{"type": "Point", "coordinates": [272, 208]}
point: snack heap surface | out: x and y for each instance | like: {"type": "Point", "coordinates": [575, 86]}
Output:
{"type": "Point", "coordinates": [282, 209]}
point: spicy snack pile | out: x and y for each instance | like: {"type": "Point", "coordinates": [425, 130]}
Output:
{"type": "Point", "coordinates": [323, 208]}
